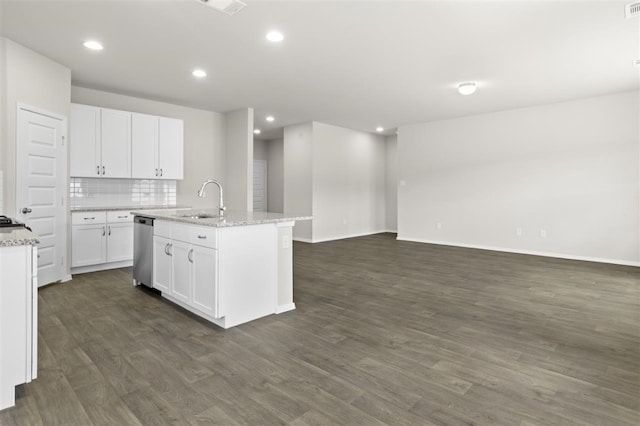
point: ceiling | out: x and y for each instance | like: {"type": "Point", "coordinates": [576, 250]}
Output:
{"type": "Point", "coordinates": [356, 64]}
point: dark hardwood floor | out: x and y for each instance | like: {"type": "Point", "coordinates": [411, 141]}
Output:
{"type": "Point", "coordinates": [385, 332]}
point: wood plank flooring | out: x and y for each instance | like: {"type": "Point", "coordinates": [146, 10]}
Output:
{"type": "Point", "coordinates": [385, 332]}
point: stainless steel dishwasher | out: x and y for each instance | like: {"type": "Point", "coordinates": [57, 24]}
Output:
{"type": "Point", "coordinates": [143, 251]}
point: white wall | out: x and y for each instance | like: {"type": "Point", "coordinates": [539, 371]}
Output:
{"type": "Point", "coordinates": [275, 176]}
{"type": "Point", "coordinates": [260, 149]}
{"type": "Point", "coordinates": [34, 80]}
{"type": "Point", "coordinates": [239, 177]}
{"type": "Point", "coordinates": [349, 184]}
{"type": "Point", "coordinates": [392, 184]}
{"type": "Point", "coordinates": [298, 163]}
{"type": "Point", "coordinates": [204, 139]}
{"type": "Point", "coordinates": [570, 169]}
{"type": "Point", "coordinates": [3, 115]}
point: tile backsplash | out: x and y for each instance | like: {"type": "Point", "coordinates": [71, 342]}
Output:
{"type": "Point", "coordinates": [92, 192]}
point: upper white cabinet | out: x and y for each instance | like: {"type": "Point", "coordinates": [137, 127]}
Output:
{"type": "Point", "coordinates": [170, 148]}
{"type": "Point", "coordinates": [157, 147]}
{"type": "Point", "coordinates": [100, 142]}
{"type": "Point", "coordinates": [121, 144]}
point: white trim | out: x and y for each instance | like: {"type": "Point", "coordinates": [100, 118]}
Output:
{"type": "Point", "coordinates": [44, 112]}
{"type": "Point", "coordinates": [285, 308]}
{"type": "Point", "coordinates": [529, 252]}
{"type": "Point", "coordinates": [302, 240]}
{"type": "Point", "coordinates": [364, 234]}
{"type": "Point", "coordinates": [101, 267]}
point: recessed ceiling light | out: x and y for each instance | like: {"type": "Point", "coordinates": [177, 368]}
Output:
{"type": "Point", "coordinates": [379, 129]}
{"type": "Point", "coordinates": [93, 45]}
{"type": "Point", "coordinates": [256, 131]}
{"type": "Point", "coordinates": [270, 118]}
{"type": "Point", "coordinates": [199, 73]}
{"type": "Point", "coordinates": [467, 88]}
{"type": "Point", "coordinates": [275, 36]}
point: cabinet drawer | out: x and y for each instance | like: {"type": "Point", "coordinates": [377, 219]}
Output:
{"type": "Point", "coordinates": [88, 218]}
{"type": "Point", "coordinates": [204, 236]}
{"type": "Point", "coordinates": [162, 229]}
{"type": "Point", "coordinates": [119, 216]}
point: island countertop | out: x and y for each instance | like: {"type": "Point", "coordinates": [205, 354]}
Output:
{"type": "Point", "coordinates": [230, 218]}
{"type": "Point", "coordinates": [17, 236]}
{"type": "Point", "coordinates": [75, 209]}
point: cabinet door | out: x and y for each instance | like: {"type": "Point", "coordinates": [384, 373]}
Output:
{"type": "Point", "coordinates": [119, 242]}
{"type": "Point", "coordinates": [88, 245]}
{"type": "Point", "coordinates": [205, 280]}
{"type": "Point", "coordinates": [84, 141]}
{"type": "Point", "coordinates": [144, 145]}
{"type": "Point", "coordinates": [116, 143]}
{"type": "Point", "coordinates": [170, 147]}
{"type": "Point", "coordinates": [181, 277]}
{"type": "Point", "coordinates": [162, 264]}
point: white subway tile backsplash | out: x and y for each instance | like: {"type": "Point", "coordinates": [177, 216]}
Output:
{"type": "Point", "coordinates": [85, 192]}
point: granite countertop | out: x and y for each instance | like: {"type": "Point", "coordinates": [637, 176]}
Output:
{"type": "Point", "coordinates": [17, 236]}
{"type": "Point", "coordinates": [114, 208]}
{"type": "Point", "coordinates": [231, 218]}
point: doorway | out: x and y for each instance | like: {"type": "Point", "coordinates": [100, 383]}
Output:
{"type": "Point", "coordinates": [259, 185]}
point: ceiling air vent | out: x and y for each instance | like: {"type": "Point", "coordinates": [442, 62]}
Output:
{"type": "Point", "coordinates": [229, 7]}
{"type": "Point", "coordinates": [632, 10]}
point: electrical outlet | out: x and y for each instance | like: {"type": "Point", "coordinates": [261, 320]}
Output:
{"type": "Point", "coordinates": [543, 233]}
{"type": "Point", "coordinates": [518, 232]}
{"type": "Point", "coordinates": [286, 242]}
{"type": "Point", "coordinates": [344, 220]}
{"type": "Point", "coordinates": [439, 225]}
{"type": "Point", "coordinates": [403, 183]}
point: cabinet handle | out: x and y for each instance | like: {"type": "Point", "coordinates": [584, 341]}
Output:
{"type": "Point", "coordinates": [103, 172]}
{"type": "Point", "coordinates": [160, 172]}
{"type": "Point", "coordinates": [156, 172]}
{"type": "Point", "coordinates": [98, 170]}
{"type": "Point", "coordinates": [122, 217]}
{"type": "Point", "coordinates": [103, 231]}
{"type": "Point", "coordinates": [109, 230]}
{"type": "Point", "coordinates": [190, 256]}
{"type": "Point", "coordinates": [166, 249]}
{"type": "Point", "coordinates": [89, 218]}
{"type": "Point", "coordinates": [202, 237]}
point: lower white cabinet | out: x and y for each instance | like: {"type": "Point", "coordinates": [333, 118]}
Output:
{"type": "Point", "coordinates": [186, 272]}
{"type": "Point", "coordinates": [18, 319]}
{"type": "Point", "coordinates": [101, 240]}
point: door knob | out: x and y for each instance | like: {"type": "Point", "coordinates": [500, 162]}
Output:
{"type": "Point", "coordinates": [26, 210]}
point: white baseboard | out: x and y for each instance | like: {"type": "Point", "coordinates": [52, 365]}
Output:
{"type": "Point", "coordinates": [302, 240]}
{"type": "Point", "coordinates": [101, 267]}
{"type": "Point", "coordinates": [529, 252]}
{"type": "Point", "coordinates": [285, 308]}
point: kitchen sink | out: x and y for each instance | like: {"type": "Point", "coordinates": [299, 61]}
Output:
{"type": "Point", "coordinates": [199, 216]}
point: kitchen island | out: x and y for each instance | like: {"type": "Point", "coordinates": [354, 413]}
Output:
{"type": "Point", "coordinates": [18, 311]}
{"type": "Point", "coordinates": [227, 269]}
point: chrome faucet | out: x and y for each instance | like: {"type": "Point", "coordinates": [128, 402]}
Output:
{"type": "Point", "coordinates": [221, 207]}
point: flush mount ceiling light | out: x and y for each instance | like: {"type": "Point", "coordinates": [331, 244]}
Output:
{"type": "Point", "coordinates": [275, 36]}
{"type": "Point", "coordinates": [466, 88]}
{"type": "Point", "coordinates": [256, 131]}
{"type": "Point", "coordinates": [379, 129]}
{"type": "Point", "coordinates": [199, 73]}
{"type": "Point", "coordinates": [93, 45]}
{"type": "Point", "coordinates": [270, 118]}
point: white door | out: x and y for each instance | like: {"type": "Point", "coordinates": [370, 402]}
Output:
{"type": "Point", "coordinates": [119, 242]}
{"type": "Point", "coordinates": [89, 245]}
{"type": "Point", "coordinates": [144, 143]}
{"type": "Point", "coordinates": [170, 148]}
{"type": "Point", "coordinates": [181, 273]}
{"type": "Point", "coordinates": [259, 186]}
{"type": "Point", "coordinates": [204, 278]}
{"type": "Point", "coordinates": [41, 187]}
{"type": "Point", "coordinates": [162, 264]}
{"type": "Point", "coordinates": [84, 142]}
{"type": "Point", "coordinates": [115, 135]}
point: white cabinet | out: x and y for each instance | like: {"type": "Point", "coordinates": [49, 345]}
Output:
{"type": "Point", "coordinates": [170, 148]}
{"type": "Point", "coordinates": [185, 270]}
{"type": "Point", "coordinates": [100, 141]}
{"type": "Point", "coordinates": [88, 244]}
{"type": "Point", "coordinates": [156, 147]}
{"type": "Point", "coordinates": [101, 240]}
{"type": "Point", "coordinates": [18, 319]}
{"type": "Point", "coordinates": [162, 264]}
